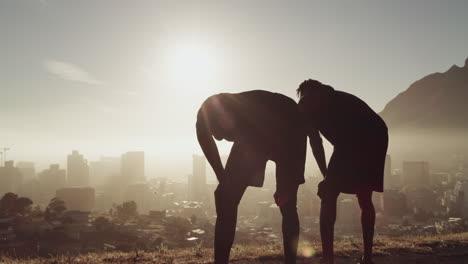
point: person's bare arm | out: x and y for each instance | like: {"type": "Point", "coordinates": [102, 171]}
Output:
{"type": "Point", "coordinates": [318, 151]}
{"type": "Point", "coordinates": [208, 145]}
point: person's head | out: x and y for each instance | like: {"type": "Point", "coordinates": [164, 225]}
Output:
{"type": "Point", "coordinates": [314, 94]}
{"type": "Point", "coordinates": [313, 88]}
{"type": "Point", "coordinates": [218, 118]}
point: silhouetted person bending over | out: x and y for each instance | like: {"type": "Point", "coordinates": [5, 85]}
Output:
{"type": "Point", "coordinates": [263, 126]}
{"type": "Point", "coordinates": [360, 140]}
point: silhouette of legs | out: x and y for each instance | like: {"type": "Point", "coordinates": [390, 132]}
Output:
{"type": "Point", "coordinates": [327, 224]}
{"type": "Point", "coordinates": [290, 224]}
{"type": "Point", "coordinates": [227, 199]}
{"type": "Point", "coordinates": [239, 167]}
{"type": "Point", "coordinates": [286, 196]}
{"type": "Point", "coordinates": [367, 222]}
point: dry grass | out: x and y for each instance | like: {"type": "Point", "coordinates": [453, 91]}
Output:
{"type": "Point", "coordinates": [434, 249]}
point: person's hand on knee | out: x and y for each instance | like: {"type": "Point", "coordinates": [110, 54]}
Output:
{"type": "Point", "coordinates": [285, 195]}
{"type": "Point", "coordinates": [281, 198]}
{"type": "Point", "coordinates": [323, 188]}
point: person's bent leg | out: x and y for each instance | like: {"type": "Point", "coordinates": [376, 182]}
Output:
{"type": "Point", "coordinates": [290, 223]}
{"type": "Point", "coordinates": [327, 224]}
{"type": "Point", "coordinates": [227, 200]}
{"type": "Point", "coordinates": [367, 222]}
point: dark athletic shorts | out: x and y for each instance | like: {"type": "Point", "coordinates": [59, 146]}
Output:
{"type": "Point", "coordinates": [246, 167]}
{"type": "Point", "coordinates": [359, 166]}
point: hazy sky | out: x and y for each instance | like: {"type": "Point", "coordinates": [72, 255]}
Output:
{"type": "Point", "coordinates": [110, 76]}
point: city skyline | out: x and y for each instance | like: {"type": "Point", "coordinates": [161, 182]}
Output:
{"type": "Point", "coordinates": [75, 77]}
{"type": "Point", "coordinates": [304, 131]}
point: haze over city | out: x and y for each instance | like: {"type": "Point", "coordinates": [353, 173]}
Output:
{"type": "Point", "coordinates": [114, 76]}
{"type": "Point", "coordinates": [163, 131]}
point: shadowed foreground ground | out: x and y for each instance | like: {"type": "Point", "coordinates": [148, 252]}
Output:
{"type": "Point", "coordinates": [447, 249]}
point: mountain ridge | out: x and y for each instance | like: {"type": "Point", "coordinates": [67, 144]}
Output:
{"type": "Point", "coordinates": [436, 101]}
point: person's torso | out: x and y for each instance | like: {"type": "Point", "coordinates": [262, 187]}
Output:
{"type": "Point", "coordinates": [264, 119]}
{"type": "Point", "coordinates": [347, 120]}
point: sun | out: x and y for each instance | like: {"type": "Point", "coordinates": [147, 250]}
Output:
{"type": "Point", "coordinates": [185, 67]}
{"type": "Point", "coordinates": [192, 64]}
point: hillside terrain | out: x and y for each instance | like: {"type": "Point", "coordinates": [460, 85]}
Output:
{"type": "Point", "coordinates": [447, 249]}
{"type": "Point", "coordinates": [429, 120]}
{"type": "Point", "coordinates": [437, 101]}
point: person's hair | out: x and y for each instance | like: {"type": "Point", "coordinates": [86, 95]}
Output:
{"type": "Point", "coordinates": [312, 87]}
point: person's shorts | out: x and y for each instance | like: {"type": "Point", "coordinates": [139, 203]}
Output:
{"type": "Point", "coordinates": [359, 166]}
{"type": "Point", "coordinates": [246, 167]}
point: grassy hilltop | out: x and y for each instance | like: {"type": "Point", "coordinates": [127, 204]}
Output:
{"type": "Point", "coordinates": [450, 249]}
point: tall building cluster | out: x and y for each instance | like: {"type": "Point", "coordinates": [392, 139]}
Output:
{"type": "Point", "coordinates": [10, 177]}
{"type": "Point", "coordinates": [51, 180]}
{"type": "Point", "coordinates": [133, 167]}
{"type": "Point", "coordinates": [416, 173]}
{"type": "Point", "coordinates": [77, 170]}
{"type": "Point", "coordinates": [81, 183]}
{"type": "Point", "coordinates": [420, 192]}
{"type": "Point", "coordinates": [197, 180]}
{"type": "Point", "coordinates": [103, 170]}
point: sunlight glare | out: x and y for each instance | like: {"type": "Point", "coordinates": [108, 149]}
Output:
{"type": "Point", "coordinates": [192, 65]}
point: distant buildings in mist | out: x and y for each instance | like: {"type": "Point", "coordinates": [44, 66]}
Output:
{"type": "Point", "coordinates": [10, 177]}
{"type": "Point", "coordinates": [97, 185]}
{"type": "Point", "coordinates": [50, 180]}
{"type": "Point", "coordinates": [133, 167]}
{"type": "Point", "coordinates": [102, 170]}
{"type": "Point", "coordinates": [27, 170]}
{"type": "Point", "coordinates": [77, 170]}
{"type": "Point", "coordinates": [416, 173]}
{"type": "Point", "coordinates": [78, 182]}
{"type": "Point", "coordinates": [417, 190]}
{"type": "Point", "coordinates": [413, 190]}
{"type": "Point", "coordinates": [197, 190]}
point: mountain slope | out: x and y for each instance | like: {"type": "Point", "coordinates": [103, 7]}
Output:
{"type": "Point", "coordinates": [437, 101]}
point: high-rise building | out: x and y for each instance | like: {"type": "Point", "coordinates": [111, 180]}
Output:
{"type": "Point", "coordinates": [27, 170]}
{"type": "Point", "coordinates": [197, 180]}
{"type": "Point", "coordinates": [101, 171]}
{"type": "Point", "coordinates": [77, 170]}
{"type": "Point", "coordinates": [10, 178]}
{"type": "Point", "coordinates": [421, 199]}
{"type": "Point", "coordinates": [391, 180]}
{"type": "Point", "coordinates": [133, 167]}
{"type": "Point", "coordinates": [348, 212]}
{"type": "Point", "coordinates": [416, 173]}
{"type": "Point", "coordinates": [461, 191]}
{"type": "Point", "coordinates": [50, 180]}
